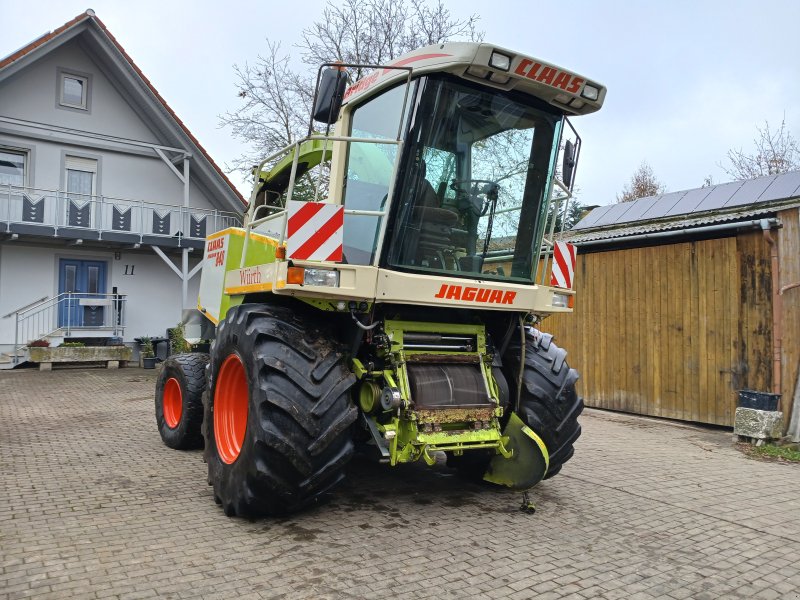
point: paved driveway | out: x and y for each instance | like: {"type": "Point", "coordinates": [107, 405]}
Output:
{"type": "Point", "coordinates": [92, 505]}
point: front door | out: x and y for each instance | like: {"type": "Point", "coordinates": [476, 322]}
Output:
{"type": "Point", "coordinates": [79, 284]}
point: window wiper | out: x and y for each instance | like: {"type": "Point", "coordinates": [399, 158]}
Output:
{"type": "Point", "coordinates": [492, 191]}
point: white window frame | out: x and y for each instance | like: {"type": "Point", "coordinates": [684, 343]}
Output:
{"type": "Point", "coordinates": [26, 161]}
{"type": "Point", "coordinates": [86, 81]}
{"type": "Point", "coordinates": [84, 165]}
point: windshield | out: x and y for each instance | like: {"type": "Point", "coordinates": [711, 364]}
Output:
{"type": "Point", "coordinates": [472, 195]}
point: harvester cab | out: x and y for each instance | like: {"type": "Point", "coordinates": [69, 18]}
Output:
{"type": "Point", "coordinates": [382, 291]}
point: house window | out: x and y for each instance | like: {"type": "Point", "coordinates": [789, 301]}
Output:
{"type": "Point", "coordinates": [74, 91]}
{"type": "Point", "coordinates": [81, 183]}
{"type": "Point", "coordinates": [81, 175]}
{"type": "Point", "coordinates": [12, 167]}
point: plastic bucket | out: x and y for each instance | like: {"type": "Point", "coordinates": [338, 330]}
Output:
{"type": "Point", "coordinates": [758, 400]}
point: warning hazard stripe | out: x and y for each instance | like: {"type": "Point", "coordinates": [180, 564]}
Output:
{"type": "Point", "coordinates": [304, 214]}
{"type": "Point", "coordinates": [563, 265]}
{"type": "Point", "coordinates": [314, 231]}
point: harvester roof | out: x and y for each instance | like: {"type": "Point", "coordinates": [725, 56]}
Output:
{"type": "Point", "coordinates": [490, 65]}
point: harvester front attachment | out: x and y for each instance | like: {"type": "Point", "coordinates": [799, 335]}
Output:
{"type": "Point", "coordinates": [529, 459]}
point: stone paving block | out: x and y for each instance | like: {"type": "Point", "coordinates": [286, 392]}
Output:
{"type": "Point", "coordinates": [93, 505]}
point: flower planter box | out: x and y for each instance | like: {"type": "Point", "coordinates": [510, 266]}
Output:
{"type": "Point", "coordinates": [113, 356]}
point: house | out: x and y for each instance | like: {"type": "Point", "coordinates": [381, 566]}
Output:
{"type": "Point", "coordinates": [685, 298]}
{"type": "Point", "coordinates": [105, 196]}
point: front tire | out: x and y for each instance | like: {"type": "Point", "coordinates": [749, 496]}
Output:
{"type": "Point", "coordinates": [549, 403]}
{"type": "Point", "coordinates": [179, 400]}
{"type": "Point", "coordinates": [277, 412]}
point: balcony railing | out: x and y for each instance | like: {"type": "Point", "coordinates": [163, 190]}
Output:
{"type": "Point", "coordinates": [58, 213]}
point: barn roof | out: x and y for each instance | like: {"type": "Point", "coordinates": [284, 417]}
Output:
{"type": "Point", "coordinates": [726, 202]}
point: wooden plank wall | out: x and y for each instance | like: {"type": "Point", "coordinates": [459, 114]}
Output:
{"type": "Point", "coordinates": [789, 245]}
{"type": "Point", "coordinates": [672, 330]}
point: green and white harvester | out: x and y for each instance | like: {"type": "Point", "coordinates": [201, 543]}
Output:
{"type": "Point", "coordinates": [382, 294]}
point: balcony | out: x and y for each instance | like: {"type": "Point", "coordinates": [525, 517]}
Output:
{"type": "Point", "coordinates": [32, 212]}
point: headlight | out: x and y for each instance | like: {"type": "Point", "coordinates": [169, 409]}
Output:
{"type": "Point", "coordinates": [321, 277]}
{"type": "Point", "coordinates": [500, 61]}
{"type": "Point", "coordinates": [560, 301]}
{"type": "Point", "coordinates": [590, 92]}
{"type": "Point", "coordinates": [318, 277]}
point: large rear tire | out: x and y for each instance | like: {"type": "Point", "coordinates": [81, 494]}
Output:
{"type": "Point", "coordinates": [277, 412]}
{"type": "Point", "coordinates": [549, 403]}
{"type": "Point", "coordinates": [179, 400]}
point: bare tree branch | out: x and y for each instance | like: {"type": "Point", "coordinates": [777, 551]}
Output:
{"type": "Point", "coordinates": [775, 152]}
{"type": "Point", "coordinates": [276, 100]}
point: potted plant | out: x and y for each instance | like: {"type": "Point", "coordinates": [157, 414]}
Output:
{"type": "Point", "coordinates": [147, 354]}
{"type": "Point", "coordinates": [177, 340]}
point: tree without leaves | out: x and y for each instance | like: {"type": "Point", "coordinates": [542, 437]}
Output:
{"type": "Point", "coordinates": [378, 31]}
{"type": "Point", "coordinates": [775, 152]}
{"type": "Point", "coordinates": [276, 99]}
{"type": "Point", "coordinates": [643, 183]}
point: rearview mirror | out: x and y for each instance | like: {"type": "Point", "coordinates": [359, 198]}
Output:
{"type": "Point", "coordinates": [330, 94]}
{"type": "Point", "coordinates": [568, 165]}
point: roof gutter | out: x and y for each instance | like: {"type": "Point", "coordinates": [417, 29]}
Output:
{"type": "Point", "coordinates": [752, 224]}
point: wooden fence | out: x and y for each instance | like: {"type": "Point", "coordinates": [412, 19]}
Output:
{"type": "Point", "coordinates": [672, 330]}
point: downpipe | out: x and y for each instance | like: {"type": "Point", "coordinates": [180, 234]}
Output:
{"type": "Point", "coordinates": [794, 419]}
{"type": "Point", "coordinates": [777, 308]}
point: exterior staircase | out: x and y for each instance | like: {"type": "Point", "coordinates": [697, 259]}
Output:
{"type": "Point", "coordinates": [67, 316]}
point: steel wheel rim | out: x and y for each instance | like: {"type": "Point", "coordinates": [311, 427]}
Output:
{"type": "Point", "coordinates": [230, 408]}
{"type": "Point", "coordinates": [172, 403]}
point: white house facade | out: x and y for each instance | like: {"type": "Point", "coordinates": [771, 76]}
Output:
{"type": "Point", "coordinates": [105, 196]}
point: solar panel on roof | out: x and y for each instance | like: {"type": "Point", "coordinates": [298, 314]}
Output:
{"type": "Point", "coordinates": [665, 202]}
{"type": "Point", "coordinates": [638, 208]}
{"type": "Point", "coordinates": [689, 202]}
{"type": "Point", "coordinates": [590, 219]}
{"type": "Point", "coordinates": [784, 186]}
{"type": "Point", "coordinates": [613, 215]}
{"type": "Point", "coordinates": [750, 191]}
{"type": "Point", "coordinates": [699, 200]}
{"type": "Point", "coordinates": [718, 196]}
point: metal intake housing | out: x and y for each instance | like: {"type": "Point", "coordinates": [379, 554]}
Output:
{"type": "Point", "coordinates": [441, 386]}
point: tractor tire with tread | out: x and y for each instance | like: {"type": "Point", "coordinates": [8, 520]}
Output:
{"type": "Point", "coordinates": [179, 400]}
{"type": "Point", "coordinates": [549, 403]}
{"type": "Point", "coordinates": [297, 438]}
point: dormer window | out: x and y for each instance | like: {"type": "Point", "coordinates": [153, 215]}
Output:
{"type": "Point", "coordinates": [73, 90]}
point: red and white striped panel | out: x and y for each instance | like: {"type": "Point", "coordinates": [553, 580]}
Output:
{"type": "Point", "coordinates": [563, 265]}
{"type": "Point", "coordinates": [315, 231]}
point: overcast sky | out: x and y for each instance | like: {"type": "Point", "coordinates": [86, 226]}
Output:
{"type": "Point", "coordinates": [687, 80]}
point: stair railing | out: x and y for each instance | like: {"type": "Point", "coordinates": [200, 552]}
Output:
{"type": "Point", "coordinates": [64, 314]}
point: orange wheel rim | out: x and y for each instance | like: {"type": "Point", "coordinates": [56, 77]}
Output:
{"type": "Point", "coordinates": [172, 403]}
{"type": "Point", "coordinates": [230, 408]}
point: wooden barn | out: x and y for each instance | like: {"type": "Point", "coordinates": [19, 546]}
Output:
{"type": "Point", "coordinates": [685, 298]}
